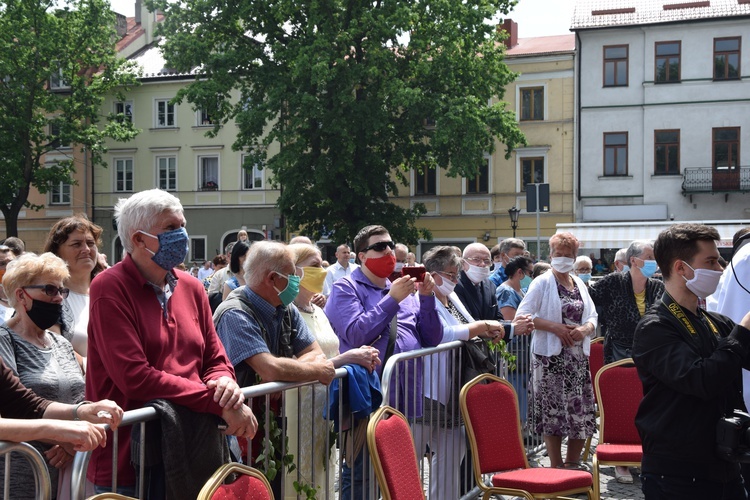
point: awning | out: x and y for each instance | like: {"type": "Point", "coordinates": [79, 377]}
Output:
{"type": "Point", "coordinates": [621, 234]}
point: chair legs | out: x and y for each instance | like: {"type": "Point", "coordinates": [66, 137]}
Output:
{"type": "Point", "coordinates": [595, 474]}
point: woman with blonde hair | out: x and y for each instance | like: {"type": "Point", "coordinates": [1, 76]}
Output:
{"type": "Point", "coordinates": [562, 398]}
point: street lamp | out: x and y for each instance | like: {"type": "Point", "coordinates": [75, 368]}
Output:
{"type": "Point", "coordinates": [513, 212]}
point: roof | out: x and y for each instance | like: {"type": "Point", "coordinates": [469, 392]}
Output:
{"type": "Point", "coordinates": [543, 45]}
{"type": "Point", "coordinates": [152, 62]}
{"type": "Point", "coordinates": [611, 13]}
{"type": "Point", "coordinates": [134, 31]}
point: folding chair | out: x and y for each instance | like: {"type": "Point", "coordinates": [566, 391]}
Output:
{"type": "Point", "coordinates": [596, 362]}
{"type": "Point", "coordinates": [110, 496]}
{"type": "Point", "coordinates": [490, 412]}
{"type": "Point", "coordinates": [394, 459]}
{"type": "Point", "coordinates": [250, 484]}
{"type": "Point", "coordinates": [619, 392]}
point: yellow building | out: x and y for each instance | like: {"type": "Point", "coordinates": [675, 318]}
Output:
{"type": "Point", "coordinates": [460, 211]}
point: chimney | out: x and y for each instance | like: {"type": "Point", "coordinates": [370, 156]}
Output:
{"type": "Point", "coordinates": [511, 28]}
{"type": "Point", "coordinates": [138, 11]}
{"type": "Point", "coordinates": [121, 25]}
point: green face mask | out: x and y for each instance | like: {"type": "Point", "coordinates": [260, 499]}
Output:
{"type": "Point", "coordinates": [288, 294]}
{"type": "Point", "coordinates": [525, 282]}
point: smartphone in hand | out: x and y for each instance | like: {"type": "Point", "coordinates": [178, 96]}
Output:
{"type": "Point", "coordinates": [414, 272]}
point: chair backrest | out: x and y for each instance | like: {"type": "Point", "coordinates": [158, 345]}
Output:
{"type": "Point", "coordinates": [250, 484]}
{"type": "Point", "coordinates": [391, 448]}
{"type": "Point", "coordinates": [619, 392]}
{"type": "Point", "coordinates": [493, 425]}
{"type": "Point", "coordinates": [596, 359]}
{"type": "Point", "coordinates": [110, 496]}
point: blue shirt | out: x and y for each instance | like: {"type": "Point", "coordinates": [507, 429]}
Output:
{"type": "Point", "coordinates": [499, 276]}
{"type": "Point", "coordinates": [507, 297]}
{"type": "Point", "coordinates": [242, 336]}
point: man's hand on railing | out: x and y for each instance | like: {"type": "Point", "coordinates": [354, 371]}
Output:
{"type": "Point", "coordinates": [227, 393]}
{"type": "Point", "coordinates": [100, 412]}
{"type": "Point", "coordinates": [58, 456]}
{"type": "Point", "coordinates": [366, 356]}
{"type": "Point", "coordinates": [240, 421]}
{"type": "Point", "coordinates": [325, 368]}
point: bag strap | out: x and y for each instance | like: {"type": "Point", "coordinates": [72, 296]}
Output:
{"type": "Point", "coordinates": [391, 339]}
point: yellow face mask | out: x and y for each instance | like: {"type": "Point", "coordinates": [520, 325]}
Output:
{"type": "Point", "coordinates": [313, 279]}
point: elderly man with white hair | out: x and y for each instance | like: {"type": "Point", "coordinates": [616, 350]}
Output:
{"type": "Point", "coordinates": [151, 334]}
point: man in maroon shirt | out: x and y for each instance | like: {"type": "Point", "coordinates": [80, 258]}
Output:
{"type": "Point", "coordinates": [151, 333]}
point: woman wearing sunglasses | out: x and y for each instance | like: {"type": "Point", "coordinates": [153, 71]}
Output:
{"type": "Point", "coordinates": [44, 362]}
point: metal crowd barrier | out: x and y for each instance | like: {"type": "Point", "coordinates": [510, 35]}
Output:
{"type": "Point", "coordinates": [38, 466]}
{"type": "Point", "coordinates": [438, 434]}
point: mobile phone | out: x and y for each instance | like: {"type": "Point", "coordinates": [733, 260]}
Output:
{"type": "Point", "coordinates": [414, 272]}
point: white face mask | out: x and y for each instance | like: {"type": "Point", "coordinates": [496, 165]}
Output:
{"type": "Point", "coordinates": [399, 267]}
{"type": "Point", "coordinates": [563, 264]}
{"type": "Point", "coordinates": [446, 288]}
{"type": "Point", "coordinates": [478, 274]}
{"type": "Point", "coordinates": [704, 281]}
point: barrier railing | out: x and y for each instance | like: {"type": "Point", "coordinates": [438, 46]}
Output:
{"type": "Point", "coordinates": [38, 466]}
{"type": "Point", "coordinates": [417, 380]}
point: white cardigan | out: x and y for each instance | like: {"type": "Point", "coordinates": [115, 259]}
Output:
{"type": "Point", "coordinates": [543, 301]}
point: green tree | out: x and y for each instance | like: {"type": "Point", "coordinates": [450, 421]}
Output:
{"type": "Point", "coordinates": [349, 90]}
{"type": "Point", "coordinates": [56, 65]}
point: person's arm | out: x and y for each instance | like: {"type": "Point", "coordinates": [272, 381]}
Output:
{"type": "Point", "coordinates": [225, 292]}
{"type": "Point", "coordinates": [429, 327]}
{"type": "Point", "coordinates": [100, 412]}
{"type": "Point", "coordinates": [311, 364]}
{"type": "Point", "coordinates": [365, 356]}
{"type": "Point", "coordinates": [84, 436]}
{"type": "Point", "coordinates": [349, 319]}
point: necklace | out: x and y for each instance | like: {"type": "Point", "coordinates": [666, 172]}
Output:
{"type": "Point", "coordinates": [306, 308]}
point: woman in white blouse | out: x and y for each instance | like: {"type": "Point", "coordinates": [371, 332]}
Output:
{"type": "Point", "coordinates": [562, 398]}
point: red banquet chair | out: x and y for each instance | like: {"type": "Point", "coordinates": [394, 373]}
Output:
{"type": "Point", "coordinates": [393, 457]}
{"type": "Point", "coordinates": [498, 448]}
{"type": "Point", "coordinates": [596, 362]}
{"type": "Point", "coordinates": [619, 392]}
{"type": "Point", "coordinates": [250, 484]}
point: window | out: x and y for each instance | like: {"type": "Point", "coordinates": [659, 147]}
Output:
{"type": "Point", "coordinates": [123, 175]}
{"type": "Point", "coordinates": [164, 113]}
{"type": "Point", "coordinates": [124, 110]}
{"type": "Point", "coordinates": [667, 62]}
{"type": "Point", "coordinates": [425, 183]}
{"type": "Point", "coordinates": [615, 154]}
{"type": "Point", "coordinates": [726, 58]}
{"type": "Point", "coordinates": [726, 148]}
{"type": "Point", "coordinates": [56, 80]}
{"type": "Point", "coordinates": [480, 184]}
{"type": "Point", "coordinates": [208, 171]}
{"type": "Point", "coordinates": [55, 133]}
{"type": "Point", "coordinates": [166, 171]}
{"type": "Point", "coordinates": [204, 119]}
{"type": "Point", "coordinates": [252, 178]}
{"type": "Point", "coordinates": [60, 193]}
{"type": "Point", "coordinates": [197, 248]}
{"type": "Point", "coordinates": [666, 152]}
{"type": "Point", "coordinates": [532, 171]}
{"type": "Point", "coordinates": [532, 104]}
{"type": "Point", "coordinates": [616, 66]}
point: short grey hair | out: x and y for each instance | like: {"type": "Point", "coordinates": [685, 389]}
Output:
{"type": "Point", "coordinates": [509, 243]}
{"type": "Point", "coordinates": [637, 248]}
{"type": "Point", "coordinates": [620, 255]}
{"type": "Point", "coordinates": [139, 212]}
{"type": "Point", "coordinates": [583, 258]}
{"type": "Point", "coordinates": [440, 258]}
{"type": "Point", "coordinates": [266, 257]}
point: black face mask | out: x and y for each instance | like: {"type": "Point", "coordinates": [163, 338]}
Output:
{"type": "Point", "coordinates": [44, 314]}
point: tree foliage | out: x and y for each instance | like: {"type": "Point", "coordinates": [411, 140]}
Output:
{"type": "Point", "coordinates": [74, 47]}
{"type": "Point", "coordinates": [348, 89]}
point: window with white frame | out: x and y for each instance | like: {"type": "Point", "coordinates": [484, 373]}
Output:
{"type": "Point", "coordinates": [208, 173]}
{"type": "Point", "coordinates": [57, 80]}
{"type": "Point", "coordinates": [55, 136]}
{"type": "Point", "coordinates": [197, 248]}
{"type": "Point", "coordinates": [59, 193]}
{"type": "Point", "coordinates": [166, 172]}
{"type": "Point", "coordinates": [204, 118]}
{"type": "Point", "coordinates": [252, 178]}
{"type": "Point", "coordinates": [165, 114]}
{"type": "Point", "coordinates": [532, 103]}
{"type": "Point", "coordinates": [124, 111]}
{"type": "Point", "coordinates": [123, 175]}
{"type": "Point", "coordinates": [481, 183]}
{"type": "Point", "coordinates": [532, 171]}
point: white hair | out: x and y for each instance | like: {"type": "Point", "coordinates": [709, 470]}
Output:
{"type": "Point", "coordinates": [265, 257]}
{"type": "Point", "coordinates": [583, 258]}
{"type": "Point", "coordinates": [139, 212]}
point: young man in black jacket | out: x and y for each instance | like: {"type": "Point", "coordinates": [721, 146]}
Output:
{"type": "Point", "coordinates": [689, 363]}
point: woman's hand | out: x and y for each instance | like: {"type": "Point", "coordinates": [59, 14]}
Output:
{"type": "Point", "coordinates": [101, 412]}
{"type": "Point", "coordinates": [579, 332]}
{"type": "Point", "coordinates": [58, 457]}
{"type": "Point", "coordinates": [523, 324]}
{"type": "Point", "coordinates": [565, 334]}
{"type": "Point", "coordinates": [364, 356]}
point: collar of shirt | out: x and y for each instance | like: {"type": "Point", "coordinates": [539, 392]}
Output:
{"type": "Point", "coordinates": [268, 313]}
{"type": "Point", "coordinates": [163, 294]}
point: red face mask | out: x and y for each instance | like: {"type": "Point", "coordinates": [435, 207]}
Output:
{"type": "Point", "coordinates": [382, 267]}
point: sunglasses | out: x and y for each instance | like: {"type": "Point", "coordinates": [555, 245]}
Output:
{"type": "Point", "coordinates": [51, 290]}
{"type": "Point", "coordinates": [380, 246]}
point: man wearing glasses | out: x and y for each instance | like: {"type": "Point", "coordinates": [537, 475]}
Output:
{"type": "Point", "coordinates": [366, 308]}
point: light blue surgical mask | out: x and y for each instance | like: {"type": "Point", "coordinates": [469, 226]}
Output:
{"type": "Point", "coordinates": [649, 268]}
{"type": "Point", "coordinates": [585, 277]}
{"type": "Point", "coordinates": [525, 282]}
{"type": "Point", "coordinates": [625, 268]}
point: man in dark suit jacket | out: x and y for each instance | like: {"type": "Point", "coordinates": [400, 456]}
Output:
{"type": "Point", "coordinates": [474, 288]}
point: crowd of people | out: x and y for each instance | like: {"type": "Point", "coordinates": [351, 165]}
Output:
{"type": "Point", "coordinates": [143, 332]}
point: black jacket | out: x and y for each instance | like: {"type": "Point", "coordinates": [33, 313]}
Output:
{"type": "Point", "coordinates": [689, 382]}
{"type": "Point", "coordinates": [480, 300]}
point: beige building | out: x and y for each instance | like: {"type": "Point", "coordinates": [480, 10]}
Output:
{"type": "Point", "coordinates": [460, 211]}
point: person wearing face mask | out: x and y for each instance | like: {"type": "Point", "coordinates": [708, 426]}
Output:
{"type": "Point", "coordinates": [623, 298]}
{"type": "Point", "coordinates": [689, 364]}
{"type": "Point", "coordinates": [401, 251]}
{"type": "Point", "coordinates": [239, 254]}
{"type": "Point", "coordinates": [366, 308]}
{"type": "Point", "coordinates": [308, 259]}
{"type": "Point", "coordinates": [621, 264]}
{"type": "Point", "coordinates": [583, 268]}
{"type": "Point", "coordinates": [507, 249]}
{"type": "Point", "coordinates": [142, 312]}
{"type": "Point", "coordinates": [43, 361]}
{"type": "Point", "coordinates": [562, 397]}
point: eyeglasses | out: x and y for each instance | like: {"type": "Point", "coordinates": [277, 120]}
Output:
{"type": "Point", "coordinates": [51, 290]}
{"type": "Point", "coordinates": [477, 261]}
{"type": "Point", "coordinates": [380, 246]}
{"type": "Point", "coordinates": [529, 272]}
{"type": "Point", "coordinates": [451, 276]}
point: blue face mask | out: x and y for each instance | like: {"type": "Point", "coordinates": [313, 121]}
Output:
{"type": "Point", "coordinates": [649, 268]}
{"type": "Point", "coordinates": [288, 294]}
{"type": "Point", "coordinates": [585, 277]}
{"type": "Point", "coordinates": [173, 248]}
{"type": "Point", "coordinates": [525, 282]}
{"type": "Point", "coordinates": [625, 268]}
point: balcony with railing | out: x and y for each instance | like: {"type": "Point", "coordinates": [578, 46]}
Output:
{"type": "Point", "coordinates": [709, 180]}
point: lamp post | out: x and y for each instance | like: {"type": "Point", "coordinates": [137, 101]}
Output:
{"type": "Point", "coordinates": [513, 213]}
